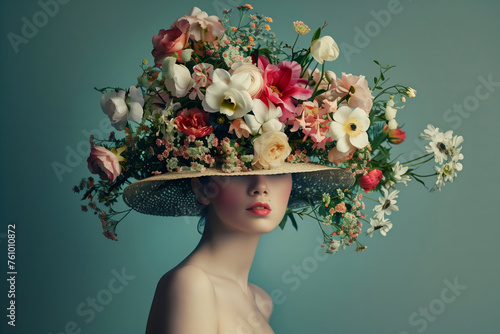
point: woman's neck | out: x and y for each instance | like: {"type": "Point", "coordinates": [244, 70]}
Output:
{"type": "Point", "coordinates": [227, 254]}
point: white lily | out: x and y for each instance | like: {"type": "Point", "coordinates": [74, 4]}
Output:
{"type": "Point", "coordinates": [115, 106]}
{"type": "Point", "coordinates": [349, 128]}
{"type": "Point", "coordinates": [227, 94]}
{"type": "Point", "coordinates": [265, 119]}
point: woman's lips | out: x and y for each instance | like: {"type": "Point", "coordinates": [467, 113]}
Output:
{"type": "Point", "coordinates": [260, 209]}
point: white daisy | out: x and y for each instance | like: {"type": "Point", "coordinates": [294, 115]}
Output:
{"type": "Point", "coordinates": [440, 145]}
{"type": "Point", "coordinates": [387, 204]}
{"type": "Point", "coordinates": [384, 225]}
{"type": "Point", "coordinates": [430, 133]}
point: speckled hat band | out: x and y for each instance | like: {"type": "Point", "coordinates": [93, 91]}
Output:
{"type": "Point", "coordinates": [170, 194]}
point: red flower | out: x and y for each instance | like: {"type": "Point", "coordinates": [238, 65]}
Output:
{"type": "Point", "coordinates": [370, 181]}
{"type": "Point", "coordinates": [396, 136]}
{"type": "Point", "coordinates": [170, 41]}
{"type": "Point", "coordinates": [193, 122]}
{"type": "Point", "coordinates": [283, 86]}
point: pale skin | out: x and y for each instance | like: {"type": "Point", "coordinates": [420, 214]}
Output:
{"type": "Point", "coordinates": [209, 291]}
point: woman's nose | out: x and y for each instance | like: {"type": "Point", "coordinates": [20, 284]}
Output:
{"type": "Point", "coordinates": [258, 185]}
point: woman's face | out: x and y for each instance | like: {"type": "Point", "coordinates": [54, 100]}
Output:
{"type": "Point", "coordinates": [250, 203]}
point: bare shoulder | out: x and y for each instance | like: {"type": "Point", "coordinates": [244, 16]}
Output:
{"type": "Point", "coordinates": [184, 302]}
{"type": "Point", "coordinates": [263, 300]}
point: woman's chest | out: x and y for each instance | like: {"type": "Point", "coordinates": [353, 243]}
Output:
{"type": "Point", "coordinates": [239, 314]}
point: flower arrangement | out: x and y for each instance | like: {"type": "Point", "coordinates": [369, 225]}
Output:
{"type": "Point", "coordinates": [233, 97]}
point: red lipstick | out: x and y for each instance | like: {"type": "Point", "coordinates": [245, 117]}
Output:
{"type": "Point", "coordinates": [260, 209]}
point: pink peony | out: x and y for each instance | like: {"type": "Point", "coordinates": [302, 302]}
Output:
{"type": "Point", "coordinates": [170, 41]}
{"type": "Point", "coordinates": [360, 95]}
{"type": "Point", "coordinates": [203, 27]}
{"type": "Point", "coordinates": [371, 180]}
{"type": "Point", "coordinates": [283, 86]}
{"type": "Point", "coordinates": [104, 163]}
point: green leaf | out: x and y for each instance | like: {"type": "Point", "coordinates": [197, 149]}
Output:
{"type": "Point", "coordinates": [283, 221]}
{"type": "Point", "coordinates": [294, 222]}
{"type": "Point", "coordinates": [376, 62]}
{"type": "Point", "coordinates": [382, 76]}
{"type": "Point", "coordinates": [375, 80]}
{"type": "Point", "coordinates": [378, 140]}
{"type": "Point", "coordinates": [420, 181]}
{"type": "Point", "coordinates": [384, 151]}
{"type": "Point", "coordinates": [316, 35]}
{"type": "Point", "coordinates": [319, 92]}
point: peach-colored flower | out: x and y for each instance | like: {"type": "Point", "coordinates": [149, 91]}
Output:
{"type": "Point", "coordinates": [203, 27]}
{"type": "Point", "coordinates": [270, 150]}
{"type": "Point", "coordinates": [310, 119]}
{"type": "Point", "coordinates": [240, 128]}
{"type": "Point", "coordinates": [338, 157]}
{"type": "Point", "coordinates": [360, 95]}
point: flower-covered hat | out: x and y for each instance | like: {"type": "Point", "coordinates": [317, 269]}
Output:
{"type": "Point", "coordinates": [224, 99]}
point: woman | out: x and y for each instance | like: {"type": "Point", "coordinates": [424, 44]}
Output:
{"type": "Point", "coordinates": [209, 291]}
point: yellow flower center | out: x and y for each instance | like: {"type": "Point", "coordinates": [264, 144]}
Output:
{"type": "Point", "coordinates": [447, 170]}
{"type": "Point", "coordinates": [276, 90]}
{"type": "Point", "coordinates": [228, 104]}
{"type": "Point", "coordinates": [353, 127]}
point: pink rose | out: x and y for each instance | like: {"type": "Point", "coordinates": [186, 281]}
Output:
{"type": "Point", "coordinates": [371, 180]}
{"type": "Point", "coordinates": [169, 41]}
{"type": "Point", "coordinates": [104, 163]}
{"type": "Point", "coordinates": [193, 122]}
{"type": "Point", "coordinates": [360, 95]}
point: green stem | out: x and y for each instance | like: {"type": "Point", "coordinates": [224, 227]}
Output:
{"type": "Point", "coordinates": [423, 156]}
{"type": "Point", "coordinates": [320, 79]}
{"type": "Point", "coordinates": [420, 163]}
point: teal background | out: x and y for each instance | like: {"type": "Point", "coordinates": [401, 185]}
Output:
{"type": "Point", "coordinates": [441, 48]}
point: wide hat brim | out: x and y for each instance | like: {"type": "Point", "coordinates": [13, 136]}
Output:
{"type": "Point", "coordinates": [171, 194]}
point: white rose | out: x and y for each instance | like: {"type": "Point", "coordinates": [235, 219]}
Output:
{"type": "Point", "coordinates": [324, 48]}
{"type": "Point", "coordinates": [270, 150]}
{"type": "Point", "coordinates": [178, 79]}
{"type": "Point", "coordinates": [255, 73]}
